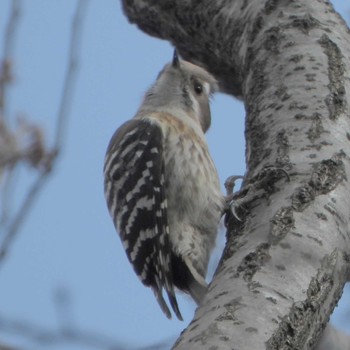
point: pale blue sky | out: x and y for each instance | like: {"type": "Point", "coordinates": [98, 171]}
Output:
{"type": "Point", "coordinates": [69, 239]}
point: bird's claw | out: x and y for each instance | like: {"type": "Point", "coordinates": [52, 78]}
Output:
{"type": "Point", "coordinates": [230, 183]}
{"type": "Point", "coordinates": [231, 204]}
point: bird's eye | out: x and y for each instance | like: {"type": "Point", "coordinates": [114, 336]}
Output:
{"type": "Point", "coordinates": [198, 88]}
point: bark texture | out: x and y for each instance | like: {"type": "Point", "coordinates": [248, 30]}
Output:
{"type": "Point", "coordinates": [285, 265]}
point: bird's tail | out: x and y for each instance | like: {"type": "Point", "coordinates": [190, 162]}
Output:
{"type": "Point", "coordinates": [197, 286]}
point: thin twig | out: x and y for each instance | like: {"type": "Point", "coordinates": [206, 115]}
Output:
{"type": "Point", "coordinates": [9, 43]}
{"type": "Point", "coordinates": [86, 339]}
{"type": "Point", "coordinates": [64, 107]}
{"type": "Point", "coordinates": [22, 214]}
{"type": "Point", "coordinates": [7, 182]}
{"type": "Point", "coordinates": [71, 74]}
{"type": "Point", "coordinates": [47, 337]}
{"type": "Point", "coordinates": [6, 66]}
{"type": "Point", "coordinates": [63, 305]}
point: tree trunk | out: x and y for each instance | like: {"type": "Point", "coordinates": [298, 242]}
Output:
{"type": "Point", "coordinates": [285, 264]}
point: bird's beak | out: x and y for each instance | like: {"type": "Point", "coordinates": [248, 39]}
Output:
{"type": "Point", "coordinates": [176, 62]}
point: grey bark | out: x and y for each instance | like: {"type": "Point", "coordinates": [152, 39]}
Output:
{"type": "Point", "coordinates": [285, 265]}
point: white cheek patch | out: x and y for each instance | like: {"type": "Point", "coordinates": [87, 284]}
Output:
{"type": "Point", "coordinates": [195, 106]}
{"type": "Point", "coordinates": [196, 103]}
{"type": "Point", "coordinates": [206, 88]}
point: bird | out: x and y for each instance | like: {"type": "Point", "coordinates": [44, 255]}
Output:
{"type": "Point", "coordinates": [161, 185]}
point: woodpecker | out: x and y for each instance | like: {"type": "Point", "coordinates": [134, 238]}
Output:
{"type": "Point", "coordinates": [162, 187]}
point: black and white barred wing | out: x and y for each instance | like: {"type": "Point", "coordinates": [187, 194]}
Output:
{"type": "Point", "coordinates": [134, 190]}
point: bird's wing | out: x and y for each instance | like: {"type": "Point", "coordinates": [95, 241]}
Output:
{"type": "Point", "coordinates": [135, 193]}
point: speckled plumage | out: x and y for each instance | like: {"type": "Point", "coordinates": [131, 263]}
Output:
{"type": "Point", "coordinates": [162, 187]}
{"type": "Point", "coordinates": [190, 174]}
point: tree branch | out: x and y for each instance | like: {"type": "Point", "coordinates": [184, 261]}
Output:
{"type": "Point", "coordinates": [6, 64]}
{"type": "Point", "coordinates": [71, 74]}
{"type": "Point", "coordinates": [50, 337]}
{"type": "Point", "coordinates": [50, 157]}
{"type": "Point", "coordinates": [285, 265]}
{"type": "Point", "coordinates": [6, 139]}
